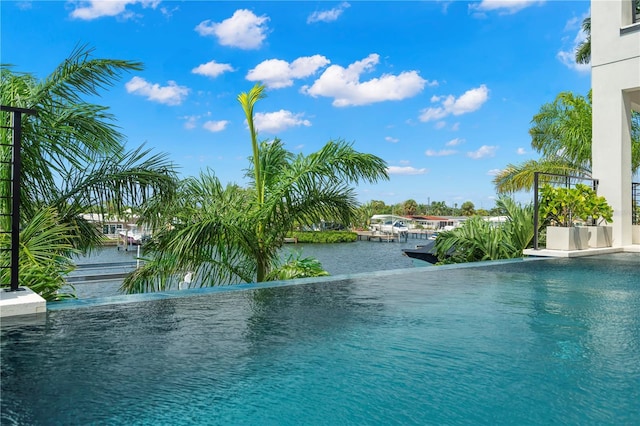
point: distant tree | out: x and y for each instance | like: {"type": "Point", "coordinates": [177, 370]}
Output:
{"type": "Point", "coordinates": [363, 215]}
{"type": "Point", "coordinates": [467, 209]}
{"type": "Point", "coordinates": [379, 207]}
{"type": "Point", "coordinates": [410, 207]}
{"type": "Point", "coordinates": [482, 212]}
{"type": "Point", "coordinates": [439, 208]}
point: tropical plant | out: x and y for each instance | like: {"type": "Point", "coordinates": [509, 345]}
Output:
{"type": "Point", "coordinates": [562, 206]}
{"type": "Point", "coordinates": [74, 159]}
{"type": "Point", "coordinates": [410, 207]}
{"type": "Point", "coordinates": [230, 235]}
{"type": "Point", "coordinates": [561, 133]}
{"type": "Point", "coordinates": [325, 237]}
{"type": "Point", "coordinates": [295, 266]}
{"type": "Point", "coordinates": [478, 239]}
{"type": "Point", "coordinates": [363, 216]}
{"type": "Point", "coordinates": [44, 255]}
{"type": "Point", "coordinates": [583, 50]}
{"type": "Point", "coordinates": [467, 208]}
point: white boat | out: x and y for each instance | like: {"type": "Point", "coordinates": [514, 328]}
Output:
{"type": "Point", "coordinates": [396, 227]}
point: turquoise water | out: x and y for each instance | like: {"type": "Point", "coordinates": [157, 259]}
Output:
{"type": "Point", "coordinates": [525, 342]}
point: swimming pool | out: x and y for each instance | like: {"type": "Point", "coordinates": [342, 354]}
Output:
{"type": "Point", "coordinates": [525, 342]}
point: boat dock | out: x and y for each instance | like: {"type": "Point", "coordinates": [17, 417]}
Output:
{"type": "Point", "coordinates": [376, 236]}
{"type": "Point", "coordinates": [388, 237]}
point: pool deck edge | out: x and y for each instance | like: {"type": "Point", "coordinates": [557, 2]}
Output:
{"type": "Point", "coordinates": [635, 248]}
{"type": "Point", "coordinates": [24, 301]}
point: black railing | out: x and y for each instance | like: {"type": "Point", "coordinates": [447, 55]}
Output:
{"type": "Point", "coordinates": [635, 203]}
{"type": "Point", "coordinates": [11, 164]}
{"type": "Point", "coordinates": [553, 179]}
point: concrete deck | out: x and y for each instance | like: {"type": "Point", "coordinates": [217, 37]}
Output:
{"type": "Point", "coordinates": [21, 302]}
{"type": "Point", "coordinates": [579, 253]}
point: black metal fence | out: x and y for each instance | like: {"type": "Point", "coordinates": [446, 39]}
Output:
{"type": "Point", "coordinates": [635, 203]}
{"type": "Point", "coordinates": [10, 173]}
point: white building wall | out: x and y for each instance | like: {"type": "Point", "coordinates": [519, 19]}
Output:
{"type": "Point", "coordinates": [615, 80]}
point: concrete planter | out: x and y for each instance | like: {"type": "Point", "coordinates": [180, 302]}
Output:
{"type": "Point", "coordinates": [635, 234]}
{"type": "Point", "coordinates": [600, 236]}
{"type": "Point", "coordinates": [567, 238]}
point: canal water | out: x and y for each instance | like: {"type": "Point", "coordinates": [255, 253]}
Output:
{"type": "Point", "coordinates": [100, 274]}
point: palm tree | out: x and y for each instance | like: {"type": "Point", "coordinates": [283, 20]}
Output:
{"type": "Point", "coordinates": [364, 214]}
{"type": "Point", "coordinates": [230, 234]}
{"type": "Point", "coordinates": [583, 51]}
{"type": "Point", "coordinates": [467, 209]}
{"type": "Point", "coordinates": [74, 158]}
{"type": "Point", "coordinates": [410, 207]}
{"type": "Point", "coordinates": [561, 133]}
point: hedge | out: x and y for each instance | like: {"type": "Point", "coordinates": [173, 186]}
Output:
{"type": "Point", "coordinates": [324, 236]}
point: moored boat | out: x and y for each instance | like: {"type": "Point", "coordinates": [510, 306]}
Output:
{"type": "Point", "coordinates": [425, 252]}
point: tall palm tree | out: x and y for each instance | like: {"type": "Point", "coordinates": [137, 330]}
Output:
{"type": "Point", "coordinates": [227, 235]}
{"type": "Point", "coordinates": [561, 133]}
{"type": "Point", "coordinates": [74, 158]}
{"type": "Point", "coordinates": [583, 51]}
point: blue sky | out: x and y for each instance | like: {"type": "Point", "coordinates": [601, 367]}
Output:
{"type": "Point", "coordinates": [443, 91]}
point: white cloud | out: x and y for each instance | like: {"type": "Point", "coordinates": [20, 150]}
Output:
{"type": "Point", "coordinates": [93, 9]}
{"type": "Point", "coordinates": [521, 151]}
{"type": "Point", "coordinates": [172, 94]}
{"type": "Point", "coordinates": [456, 126]}
{"type": "Point", "coordinates": [243, 30]}
{"type": "Point", "coordinates": [215, 126]}
{"type": "Point", "coordinates": [470, 101]}
{"type": "Point", "coordinates": [273, 122]}
{"type": "Point", "coordinates": [567, 55]}
{"type": "Point", "coordinates": [482, 152]}
{"type": "Point", "coordinates": [276, 73]}
{"type": "Point", "coordinates": [328, 15]}
{"type": "Point", "coordinates": [441, 124]}
{"type": "Point", "coordinates": [455, 142]}
{"type": "Point", "coordinates": [441, 153]}
{"type": "Point", "coordinates": [190, 122]}
{"type": "Point", "coordinates": [503, 6]}
{"type": "Point", "coordinates": [344, 85]}
{"type": "Point", "coordinates": [24, 5]}
{"type": "Point", "coordinates": [392, 140]}
{"type": "Point", "coordinates": [406, 170]}
{"type": "Point", "coordinates": [212, 69]}
{"type": "Point", "coordinates": [494, 172]}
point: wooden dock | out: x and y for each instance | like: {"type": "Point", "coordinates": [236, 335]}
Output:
{"type": "Point", "coordinates": [376, 236]}
{"type": "Point", "coordinates": [417, 234]}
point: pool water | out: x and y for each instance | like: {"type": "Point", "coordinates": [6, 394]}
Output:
{"type": "Point", "coordinates": [520, 342]}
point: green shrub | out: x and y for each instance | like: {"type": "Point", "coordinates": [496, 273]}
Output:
{"type": "Point", "coordinates": [324, 236]}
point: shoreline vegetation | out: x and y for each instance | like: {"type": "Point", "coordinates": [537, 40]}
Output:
{"type": "Point", "coordinates": [324, 237]}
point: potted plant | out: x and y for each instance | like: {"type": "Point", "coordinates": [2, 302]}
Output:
{"type": "Point", "coordinates": [596, 213]}
{"type": "Point", "coordinates": [560, 207]}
